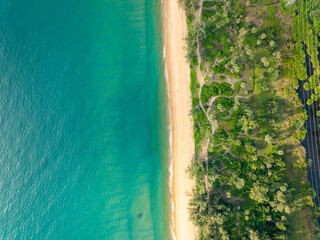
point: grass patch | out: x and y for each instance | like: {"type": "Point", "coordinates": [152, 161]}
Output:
{"type": "Point", "coordinates": [215, 89]}
{"type": "Point", "coordinates": [207, 4]}
{"type": "Point", "coordinates": [194, 85]}
{"type": "Point", "coordinates": [237, 86]}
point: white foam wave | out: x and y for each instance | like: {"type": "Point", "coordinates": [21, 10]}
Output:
{"type": "Point", "coordinates": [170, 124]}
{"type": "Point", "coordinates": [171, 158]}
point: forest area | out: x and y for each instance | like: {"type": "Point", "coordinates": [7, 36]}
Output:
{"type": "Point", "coordinates": [247, 59]}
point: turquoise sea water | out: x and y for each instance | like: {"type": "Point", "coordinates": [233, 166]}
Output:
{"type": "Point", "coordinates": [83, 120]}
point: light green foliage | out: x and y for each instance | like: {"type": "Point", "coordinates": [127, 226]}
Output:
{"type": "Point", "coordinates": [259, 193]}
{"type": "Point", "coordinates": [239, 183]}
{"type": "Point", "coordinates": [309, 101]}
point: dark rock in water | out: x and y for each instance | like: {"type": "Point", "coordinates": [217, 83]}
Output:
{"type": "Point", "coordinates": [140, 215]}
{"type": "Point", "coordinates": [43, 163]}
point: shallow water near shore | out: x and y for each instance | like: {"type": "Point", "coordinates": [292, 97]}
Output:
{"type": "Point", "coordinates": [84, 121]}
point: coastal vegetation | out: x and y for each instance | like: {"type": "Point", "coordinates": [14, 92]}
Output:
{"type": "Point", "coordinates": [250, 168]}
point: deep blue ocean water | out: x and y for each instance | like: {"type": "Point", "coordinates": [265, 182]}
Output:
{"type": "Point", "coordinates": [83, 120]}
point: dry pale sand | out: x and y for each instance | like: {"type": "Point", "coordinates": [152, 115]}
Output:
{"type": "Point", "coordinates": [180, 104]}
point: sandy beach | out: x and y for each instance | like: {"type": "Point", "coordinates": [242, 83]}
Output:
{"type": "Point", "coordinates": [180, 104]}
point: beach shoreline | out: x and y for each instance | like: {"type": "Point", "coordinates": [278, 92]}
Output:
{"type": "Point", "coordinates": [178, 74]}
